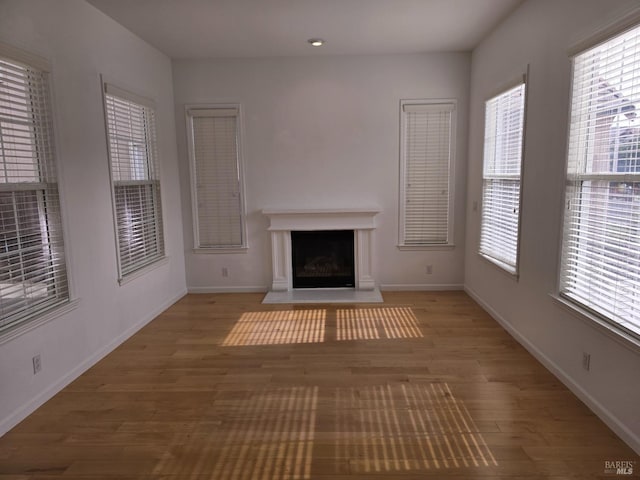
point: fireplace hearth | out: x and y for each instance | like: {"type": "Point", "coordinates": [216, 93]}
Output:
{"type": "Point", "coordinates": [323, 259]}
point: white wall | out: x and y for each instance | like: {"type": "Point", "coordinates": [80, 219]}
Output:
{"type": "Point", "coordinates": [323, 132]}
{"type": "Point", "coordinates": [81, 43]}
{"type": "Point", "coordinates": [540, 33]}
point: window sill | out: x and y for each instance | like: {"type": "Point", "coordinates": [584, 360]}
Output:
{"type": "Point", "coordinates": [503, 267]}
{"type": "Point", "coordinates": [129, 277]}
{"type": "Point", "coordinates": [218, 250]}
{"type": "Point", "coordinates": [28, 325]}
{"type": "Point", "coordinates": [625, 339]}
{"type": "Point", "coordinates": [435, 246]}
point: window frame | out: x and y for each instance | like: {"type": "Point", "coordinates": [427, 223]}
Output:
{"type": "Point", "coordinates": [140, 268]}
{"type": "Point", "coordinates": [189, 109]}
{"type": "Point", "coordinates": [512, 270]}
{"type": "Point", "coordinates": [448, 244]}
{"type": "Point", "coordinates": [20, 322]}
{"type": "Point", "coordinates": [591, 315]}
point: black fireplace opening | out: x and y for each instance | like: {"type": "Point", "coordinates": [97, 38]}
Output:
{"type": "Point", "coordinates": [323, 259]}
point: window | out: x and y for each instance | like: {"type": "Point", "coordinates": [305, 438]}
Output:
{"type": "Point", "coordinates": [33, 276]}
{"type": "Point", "coordinates": [135, 179]}
{"type": "Point", "coordinates": [216, 177]}
{"type": "Point", "coordinates": [600, 267]}
{"type": "Point", "coordinates": [426, 167]}
{"type": "Point", "coordinates": [503, 142]}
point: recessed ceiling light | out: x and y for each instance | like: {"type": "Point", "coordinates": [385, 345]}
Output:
{"type": "Point", "coordinates": [316, 42]}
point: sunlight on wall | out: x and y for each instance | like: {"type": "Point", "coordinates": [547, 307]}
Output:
{"type": "Point", "coordinates": [280, 327]}
{"type": "Point", "coordinates": [268, 436]}
{"type": "Point", "coordinates": [407, 427]}
{"type": "Point", "coordinates": [376, 323]}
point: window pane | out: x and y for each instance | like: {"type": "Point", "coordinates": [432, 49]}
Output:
{"type": "Point", "coordinates": [137, 230]}
{"type": "Point", "coordinates": [32, 263]}
{"type": "Point", "coordinates": [426, 165]}
{"type": "Point", "coordinates": [136, 186]}
{"type": "Point", "coordinates": [601, 250]}
{"type": "Point", "coordinates": [500, 219]}
{"type": "Point", "coordinates": [216, 172]}
{"type": "Point", "coordinates": [129, 143]}
{"type": "Point", "coordinates": [504, 131]}
{"type": "Point", "coordinates": [17, 124]}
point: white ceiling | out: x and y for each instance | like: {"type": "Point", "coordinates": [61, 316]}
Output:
{"type": "Point", "coordinates": [261, 28]}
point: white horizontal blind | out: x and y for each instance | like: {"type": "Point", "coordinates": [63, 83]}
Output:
{"type": "Point", "coordinates": [218, 199]}
{"type": "Point", "coordinates": [135, 181]}
{"type": "Point", "coordinates": [503, 139]}
{"type": "Point", "coordinates": [427, 160]}
{"type": "Point", "coordinates": [600, 266]}
{"type": "Point", "coordinates": [33, 274]}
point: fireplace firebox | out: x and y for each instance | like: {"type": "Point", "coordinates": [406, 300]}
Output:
{"type": "Point", "coordinates": [323, 258]}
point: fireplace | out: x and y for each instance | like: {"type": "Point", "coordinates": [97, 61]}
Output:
{"type": "Point", "coordinates": [284, 224]}
{"type": "Point", "coordinates": [322, 259]}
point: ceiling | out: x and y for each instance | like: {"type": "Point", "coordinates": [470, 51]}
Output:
{"type": "Point", "coordinates": [264, 28]}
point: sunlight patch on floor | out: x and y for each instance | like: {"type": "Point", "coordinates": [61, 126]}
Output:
{"type": "Point", "coordinates": [268, 436]}
{"type": "Point", "coordinates": [377, 323]}
{"type": "Point", "coordinates": [276, 328]}
{"type": "Point", "coordinates": [407, 427]}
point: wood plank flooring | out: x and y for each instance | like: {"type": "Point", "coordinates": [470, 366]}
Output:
{"type": "Point", "coordinates": [426, 385]}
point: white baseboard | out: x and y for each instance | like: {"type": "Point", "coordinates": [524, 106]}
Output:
{"type": "Point", "coordinates": [232, 289]}
{"type": "Point", "coordinates": [600, 410]}
{"type": "Point", "coordinates": [21, 413]}
{"type": "Point", "coordinates": [399, 287]}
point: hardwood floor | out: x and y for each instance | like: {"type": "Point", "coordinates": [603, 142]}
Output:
{"type": "Point", "coordinates": [426, 385]}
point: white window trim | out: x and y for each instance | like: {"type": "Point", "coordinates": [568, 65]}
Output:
{"type": "Point", "coordinates": [449, 245]}
{"type": "Point", "coordinates": [109, 86]}
{"type": "Point", "coordinates": [513, 272]}
{"type": "Point", "coordinates": [188, 108]}
{"type": "Point", "coordinates": [605, 325]}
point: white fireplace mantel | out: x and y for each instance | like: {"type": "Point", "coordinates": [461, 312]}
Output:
{"type": "Point", "coordinates": [283, 221]}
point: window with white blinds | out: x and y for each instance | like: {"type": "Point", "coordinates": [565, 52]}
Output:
{"type": "Point", "coordinates": [502, 170]}
{"type": "Point", "coordinates": [33, 276]}
{"type": "Point", "coordinates": [426, 173]}
{"type": "Point", "coordinates": [600, 267]}
{"type": "Point", "coordinates": [216, 177]}
{"type": "Point", "coordinates": [135, 179]}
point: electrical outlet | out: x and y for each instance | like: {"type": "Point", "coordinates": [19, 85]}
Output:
{"type": "Point", "coordinates": [429, 269]}
{"type": "Point", "coordinates": [225, 272]}
{"type": "Point", "coordinates": [37, 364]}
{"type": "Point", "coordinates": [586, 361]}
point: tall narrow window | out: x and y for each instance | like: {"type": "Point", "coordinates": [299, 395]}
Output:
{"type": "Point", "coordinates": [503, 141]}
{"type": "Point", "coordinates": [426, 173]}
{"type": "Point", "coordinates": [33, 275]}
{"type": "Point", "coordinates": [216, 176]}
{"type": "Point", "coordinates": [135, 179]}
{"type": "Point", "coordinates": [600, 267]}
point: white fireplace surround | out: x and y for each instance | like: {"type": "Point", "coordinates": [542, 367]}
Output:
{"type": "Point", "coordinates": [283, 221]}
